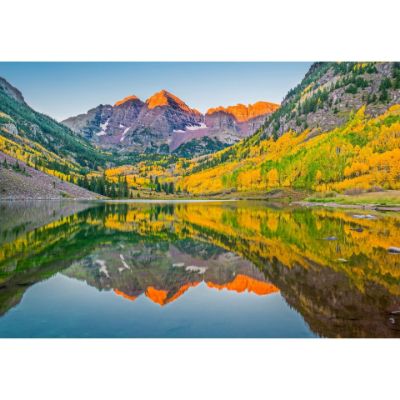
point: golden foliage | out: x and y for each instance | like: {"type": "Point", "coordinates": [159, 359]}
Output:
{"type": "Point", "coordinates": [363, 153]}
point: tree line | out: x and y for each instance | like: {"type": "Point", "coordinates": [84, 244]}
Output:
{"type": "Point", "coordinates": [166, 187]}
{"type": "Point", "coordinates": [100, 184]}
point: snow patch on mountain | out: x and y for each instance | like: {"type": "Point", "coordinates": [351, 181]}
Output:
{"type": "Point", "coordinates": [196, 127]}
{"type": "Point", "coordinates": [124, 134]}
{"type": "Point", "coordinates": [191, 128]}
{"type": "Point", "coordinates": [103, 128]}
{"type": "Point", "coordinates": [105, 125]}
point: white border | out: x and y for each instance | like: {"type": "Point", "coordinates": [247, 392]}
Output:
{"type": "Point", "coordinates": [210, 30]}
{"type": "Point", "coordinates": [217, 30]}
{"type": "Point", "coordinates": [199, 369]}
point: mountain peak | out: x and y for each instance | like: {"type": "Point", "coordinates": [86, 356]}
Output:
{"type": "Point", "coordinates": [243, 113]}
{"type": "Point", "coordinates": [164, 98]}
{"type": "Point", "coordinates": [126, 99]}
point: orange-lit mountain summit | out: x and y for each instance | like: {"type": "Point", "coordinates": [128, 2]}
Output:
{"type": "Point", "coordinates": [165, 123]}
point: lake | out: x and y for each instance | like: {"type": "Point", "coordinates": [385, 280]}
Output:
{"type": "Point", "coordinates": [197, 269]}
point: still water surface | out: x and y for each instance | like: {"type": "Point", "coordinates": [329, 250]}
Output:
{"type": "Point", "coordinates": [227, 269]}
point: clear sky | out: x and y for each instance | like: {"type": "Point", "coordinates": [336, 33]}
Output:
{"type": "Point", "coordinates": [62, 90]}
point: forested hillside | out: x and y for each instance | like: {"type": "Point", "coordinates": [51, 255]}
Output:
{"type": "Point", "coordinates": [364, 153]}
{"type": "Point", "coordinates": [339, 129]}
{"type": "Point", "coordinates": [43, 145]}
{"type": "Point", "coordinates": [57, 145]}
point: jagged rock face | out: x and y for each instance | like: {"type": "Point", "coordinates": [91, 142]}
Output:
{"type": "Point", "coordinates": [164, 112]}
{"type": "Point", "coordinates": [330, 92]}
{"type": "Point", "coordinates": [221, 120]}
{"type": "Point", "coordinates": [123, 118]}
{"type": "Point", "coordinates": [125, 114]}
{"type": "Point", "coordinates": [238, 121]}
{"type": "Point", "coordinates": [164, 122]}
{"type": "Point", "coordinates": [242, 113]}
{"type": "Point", "coordinates": [89, 124]}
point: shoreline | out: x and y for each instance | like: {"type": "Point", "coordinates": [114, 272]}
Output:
{"type": "Point", "coordinates": [380, 201]}
{"type": "Point", "coordinates": [372, 207]}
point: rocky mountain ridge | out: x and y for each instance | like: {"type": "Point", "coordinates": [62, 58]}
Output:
{"type": "Point", "coordinates": [244, 113]}
{"type": "Point", "coordinates": [164, 122]}
{"type": "Point", "coordinates": [330, 92]}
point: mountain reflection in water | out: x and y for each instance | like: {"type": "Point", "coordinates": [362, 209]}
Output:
{"type": "Point", "coordinates": [332, 268]}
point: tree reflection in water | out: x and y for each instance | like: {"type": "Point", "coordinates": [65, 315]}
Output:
{"type": "Point", "coordinates": [332, 266]}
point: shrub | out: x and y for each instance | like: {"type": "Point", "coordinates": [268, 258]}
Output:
{"type": "Point", "coordinates": [352, 89]}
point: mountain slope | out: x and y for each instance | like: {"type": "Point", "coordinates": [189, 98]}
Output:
{"type": "Point", "coordinates": [338, 129]}
{"type": "Point", "coordinates": [45, 147]}
{"type": "Point", "coordinates": [18, 181]}
{"type": "Point", "coordinates": [19, 123]}
{"type": "Point", "coordinates": [331, 91]}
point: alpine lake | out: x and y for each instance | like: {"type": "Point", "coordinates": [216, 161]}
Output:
{"type": "Point", "coordinates": [194, 269]}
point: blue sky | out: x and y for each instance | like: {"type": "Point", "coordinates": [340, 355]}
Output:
{"type": "Point", "coordinates": [65, 89]}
